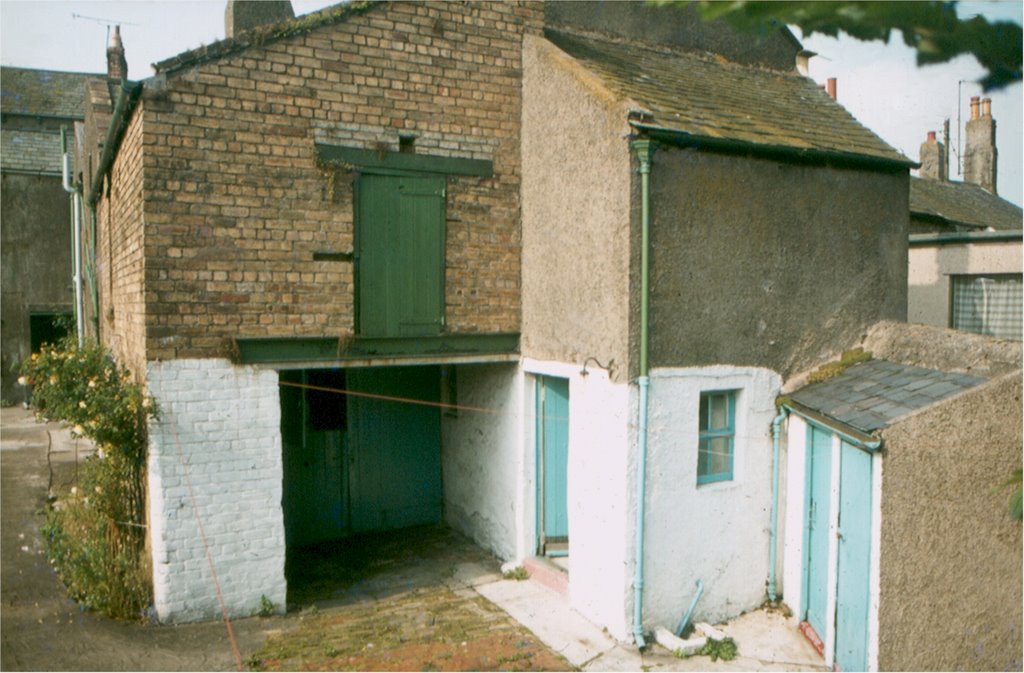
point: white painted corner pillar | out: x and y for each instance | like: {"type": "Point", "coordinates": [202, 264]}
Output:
{"type": "Point", "coordinates": [215, 485]}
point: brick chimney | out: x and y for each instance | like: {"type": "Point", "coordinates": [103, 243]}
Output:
{"type": "Point", "coordinates": [933, 159]}
{"type": "Point", "coordinates": [980, 146]}
{"type": "Point", "coordinates": [242, 15]}
{"type": "Point", "coordinates": [117, 66]}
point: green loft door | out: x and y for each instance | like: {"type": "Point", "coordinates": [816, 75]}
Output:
{"type": "Point", "coordinates": [401, 239]}
{"type": "Point", "coordinates": [819, 468]}
{"type": "Point", "coordinates": [553, 463]}
{"type": "Point", "coordinates": [853, 592]}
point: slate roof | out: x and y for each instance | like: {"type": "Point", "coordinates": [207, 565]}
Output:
{"type": "Point", "coordinates": [871, 395]}
{"type": "Point", "coordinates": [709, 97]}
{"type": "Point", "coordinates": [962, 204]}
{"type": "Point", "coordinates": [43, 92]}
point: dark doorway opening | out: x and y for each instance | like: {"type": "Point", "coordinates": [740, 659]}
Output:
{"type": "Point", "coordinates": [48, 328]}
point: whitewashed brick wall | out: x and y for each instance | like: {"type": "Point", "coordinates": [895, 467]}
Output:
{"type": "Point", "coordinates": [223, 422]}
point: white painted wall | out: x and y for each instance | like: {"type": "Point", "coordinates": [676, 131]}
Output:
{"type": "Point", "coordinates": [930, 268]}
{"type": "Point", "coordinates": [481, 458]}
{"type": "Point", "coordinates": [218, 439]}
{"type": "Point", "coordinates": [718, 532]}
{"type": "Point", "coordinates": [601, 417]}
{"type": "Point", "coordinates": [794, 484]}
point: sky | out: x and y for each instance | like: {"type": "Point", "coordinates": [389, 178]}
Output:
{"type": "Point", "coordinates": [878, 83]}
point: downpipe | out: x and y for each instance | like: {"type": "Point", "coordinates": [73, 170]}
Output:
{"type": "Point", "coordinates": [76, 236]}
{"type": "Point", "coordinates": [643, 149]}
{"type": "Point", "coordinates": [773, 529]}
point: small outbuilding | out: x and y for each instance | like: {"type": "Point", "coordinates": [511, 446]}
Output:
{"type": "Point", "coordinates": [900, 551]}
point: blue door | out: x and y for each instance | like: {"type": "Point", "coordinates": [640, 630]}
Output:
{"type": "Point", "coordinates": [854, 563]}
{"type": "Point", "coordinates": [819, 475]}
{"type": "Point", "coordinates": [553, 465]}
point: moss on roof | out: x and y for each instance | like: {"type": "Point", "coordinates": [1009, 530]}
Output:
{"type": "Point", "coordinates": [962, 204]}
{"type": "Point", "coordinates": [710, 97]}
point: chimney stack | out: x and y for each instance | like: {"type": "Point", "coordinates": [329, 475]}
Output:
{"type": "Point", "coordinates": [830, 87]}
{"type": "Point", "coordinates": [117, 66]}
{"type": "Point", "coordinates": [933, 159]}
{"type": "Point", "coordinates": [980, 147]}
{"type": "Point", "coordinates": [242, 15]}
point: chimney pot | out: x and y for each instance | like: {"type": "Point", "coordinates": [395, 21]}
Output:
{"type": "Point", "coordinates": [830, 87]}
{"type": "Point", "coordinates": [986, 107]}
{"type": "Point", "coordinates": [974, 107]}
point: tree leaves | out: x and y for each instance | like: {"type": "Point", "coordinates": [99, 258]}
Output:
{"type": "Point", "coordinates": [930, 27]}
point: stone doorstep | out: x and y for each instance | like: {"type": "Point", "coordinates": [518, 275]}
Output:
{"type": "Point", "coordinates": [547, 574]}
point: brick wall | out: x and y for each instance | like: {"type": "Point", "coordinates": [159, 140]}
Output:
{"type": "Point", "coordinates": [119, 254]}
{"type": "Point", "coordinates": [223, 422]}
{"type": "Point", "coordinates": [235, 204]}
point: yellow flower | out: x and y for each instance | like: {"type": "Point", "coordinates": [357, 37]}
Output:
{"type": "Point", "coordinates": [22, 381]}
{"type": "Point", "coordinates": [53, 379]}
{"type": "Point", "coordinates": [81, 404]}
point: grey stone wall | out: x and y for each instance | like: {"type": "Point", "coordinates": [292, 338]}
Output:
{"type": "Point", "coordinates": [36, 267]}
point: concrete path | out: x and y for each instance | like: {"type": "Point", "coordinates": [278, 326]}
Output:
{"type": "Point", "coordinates": [764, 640]}
{"type": "Point", "coordinates": [41, 629]}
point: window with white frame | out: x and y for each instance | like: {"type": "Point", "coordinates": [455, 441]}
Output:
{"type": "Point", "coordinates": [717, 436]}
{"type": "Point", "coordinates": [988, 304]}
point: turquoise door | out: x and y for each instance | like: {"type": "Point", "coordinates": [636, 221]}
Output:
{"type": "Point", "coordinates": [819, 488]}
{"type": "Point", "coordinates": [553, 465]}
{"type": "Point", "coordinates": [854, 563]}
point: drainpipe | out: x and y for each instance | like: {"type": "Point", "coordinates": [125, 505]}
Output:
{"type": "Point", "coordinates": [774, 523]}
{"type": "Point", "coordinates": [643, 149]}
{"type": "Point", "coordinates": [76, 236]}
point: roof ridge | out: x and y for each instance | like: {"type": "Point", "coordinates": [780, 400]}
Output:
{"type": "Point", "coordinates": [667, 50]}
{"type": "Point", "coordinates": [55, 72]}
{"type": "Point", "coordinates": [261, 35]}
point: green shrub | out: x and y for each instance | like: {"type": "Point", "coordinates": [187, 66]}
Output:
{"type": "Point", "coordinates": [96, 532]}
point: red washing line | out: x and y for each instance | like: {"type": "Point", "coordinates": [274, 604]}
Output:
{"type": "Point", "coordinates": [206, 547]}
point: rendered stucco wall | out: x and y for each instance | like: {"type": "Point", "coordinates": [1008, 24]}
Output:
{"type": "Point", "coordinates": [717, 533]}
{"type": "Point", "coordinates": [481, 460]}
{"type": "Point", "coordinates": [576, 213]}
{"type": "Point", "coordinates": [931, 266]}
{"type": "Point", "coordinates": [223, 423]}
{"type": "Point", "coordinates": [36, 266]}
{"type": "Point", "coordinates": [951, 554]}
{"type": "Point", "coordinates": [768, 264]}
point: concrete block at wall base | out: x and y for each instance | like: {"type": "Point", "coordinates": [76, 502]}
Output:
{"type": "Point", "coordinates": [677, 645]}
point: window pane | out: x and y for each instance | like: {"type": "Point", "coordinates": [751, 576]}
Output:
{"type": "Point", "coordinates": [704, 412]}
{"type": "Point", "coordinates": [719, 412]}
{"type": "Point", "coordinates": [992, 305]}
{"type": "Point", "coordinates": [721, 455]}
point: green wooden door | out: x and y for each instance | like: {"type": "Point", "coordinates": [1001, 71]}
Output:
{"type": "Point", "coordinates": [314, 487]}
{"type": "Point", "coordinates": [394, 448]}
{"type": "Point", "coordinates": [400, 272]}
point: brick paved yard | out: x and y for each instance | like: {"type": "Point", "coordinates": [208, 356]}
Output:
{"type": "Point", "coordinates": [399, 601]}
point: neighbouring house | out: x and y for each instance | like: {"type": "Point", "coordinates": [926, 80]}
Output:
{"type": "Point", "coordinates": [558, 260]}
{"type": "Point", "coordinates": [965, 242]}
{"type": "Point", "coordinates": [900, 550]}
{"type": "Point", "coordinates": [38, 293]}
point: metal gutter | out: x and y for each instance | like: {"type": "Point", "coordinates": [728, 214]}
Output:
{"type": "Point", "coordinates": [127, 95]}
{"type": "Point", "coordinates": [730, 146]}
{"type": "Point", "coordinates": [917, 240]}
{"type": "Point", "coordinates": [859, 438]}
{"type": "Point", "coordinates": [773, 531]}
